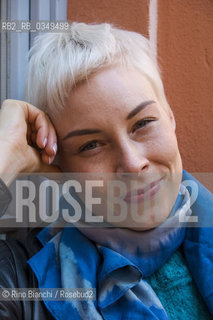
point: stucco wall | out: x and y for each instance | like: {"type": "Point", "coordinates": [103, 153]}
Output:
{"type": "Point", "coordinates": [185, 52]}
{"type": "Point", "coordinates": [130, 14]}
{"type": "Point", "coordinates": [184, 34]}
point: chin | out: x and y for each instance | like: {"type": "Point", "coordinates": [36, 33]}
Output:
{"type": "Point", "coordinates": [145, 228]}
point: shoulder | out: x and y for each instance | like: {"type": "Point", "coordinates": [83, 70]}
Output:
{"type": "Point", "coordinates": [16, 273]}
{"type": "Point", "coordinates": [14, 255]}
{"type": "Point", "coordinates": [9, 278]}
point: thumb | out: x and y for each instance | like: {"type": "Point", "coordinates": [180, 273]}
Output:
{"type": "Point", "coordinates": [52, 172]}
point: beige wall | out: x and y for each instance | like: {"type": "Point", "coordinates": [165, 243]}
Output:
{"type": "Point", "coordinates": [183, 31]}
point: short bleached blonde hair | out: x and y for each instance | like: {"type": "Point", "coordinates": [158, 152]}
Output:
{"type": "Point", "coordinates": [59, 61]}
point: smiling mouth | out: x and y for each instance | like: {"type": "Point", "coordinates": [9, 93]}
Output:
{"type": "Point", "coordinates": [140, 195]}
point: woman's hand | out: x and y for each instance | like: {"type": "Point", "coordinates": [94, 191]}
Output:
{"type": "Point", "coordinates": [28, 141]}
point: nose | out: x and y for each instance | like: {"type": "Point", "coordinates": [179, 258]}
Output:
{"type": "Point", "coordinates": [131, 159]}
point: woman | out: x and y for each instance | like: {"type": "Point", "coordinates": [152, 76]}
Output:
{"type": "Point", "coordinates": [105, 113]}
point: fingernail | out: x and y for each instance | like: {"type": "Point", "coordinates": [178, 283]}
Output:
{"type": "Point", "coordinates": [50, 159]}
{"type": "Point", "coordinates": [45, 142]}
{"type": "Point", "coordinates": [55, 148]}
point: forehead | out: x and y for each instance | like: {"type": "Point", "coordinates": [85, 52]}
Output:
{"type": "Point", "coordinates": [114, 84]}
{"type": "Point", "coordinates": [109, 92]}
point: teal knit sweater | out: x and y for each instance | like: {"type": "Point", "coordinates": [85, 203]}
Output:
{"type": "Point", "coordinates": [177, 292]}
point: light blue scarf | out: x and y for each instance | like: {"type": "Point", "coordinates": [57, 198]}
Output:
{"type": "Point", "coordinates": [71, 258]}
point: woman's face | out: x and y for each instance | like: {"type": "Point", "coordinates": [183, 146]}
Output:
{"type": "Point", "coordinates": [114, 126]}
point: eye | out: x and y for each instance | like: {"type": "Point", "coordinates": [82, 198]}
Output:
{"type": "Point", "coordinates": [141, 123]}
{"type": "Point", "coordinates": [89, 146]}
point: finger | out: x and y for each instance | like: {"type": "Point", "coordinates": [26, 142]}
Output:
{"type": "Point", "coordinates": [29, 134]}
{"type": "Point", "coordinates": [31, 115]}
{"type": "Point", "coordinates": [46, 158]}
{"type": "Point", "coordinates": [12, 116]}
{"type": "Point", "coordinates": [42, 166]}
{"type": "Point", "coordinates": [41, 128]}
{"type": "Point", "coordinates": [45, 132]}
{"type": "Point", "coordinates": [37, 120]}
{"type": "Point", "coordinates": [51, 147]}
{"type": "Point", "coordinates": [33, 138]}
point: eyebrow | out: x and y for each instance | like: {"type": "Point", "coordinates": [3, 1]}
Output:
{"type": "Point", "coordinates": [140, 107]}
{"type": "Point", "coordinates": [83, 132]}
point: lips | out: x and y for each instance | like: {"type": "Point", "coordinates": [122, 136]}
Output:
{"type": "Point", "coordinates": [143, 193]}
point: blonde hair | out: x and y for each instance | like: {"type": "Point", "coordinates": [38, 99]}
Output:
{"type": "Point", "coordinates": [59, 61]}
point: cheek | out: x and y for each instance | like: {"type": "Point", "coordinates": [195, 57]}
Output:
{"type": "Point", "coordinates": [164, 147]}
{"type": "Point", "coordinates": [75, 164]}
